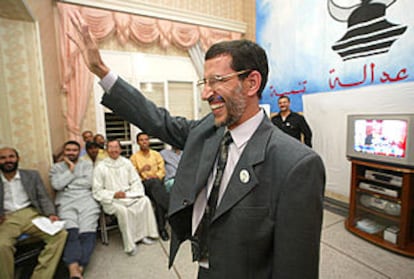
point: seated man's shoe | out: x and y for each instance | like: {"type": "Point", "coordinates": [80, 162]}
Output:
{"type": "Point", "coordinates": [147, 241]}
{"type": "Point", "coordinates": [164, 235]}
{"type": "Point", "coordinates": [133, 252]}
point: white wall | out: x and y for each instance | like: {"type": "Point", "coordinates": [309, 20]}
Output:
{"type": "Point", "coordinates": [327, 113]}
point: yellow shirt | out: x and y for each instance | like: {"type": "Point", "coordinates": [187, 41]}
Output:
{"type": "Point", "coordinates": [153, 159]}
{"type": "Point", "coordinates": [102, 154]}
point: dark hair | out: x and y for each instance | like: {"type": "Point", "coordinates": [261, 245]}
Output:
{"type": "Point", "coordinates": [98, 135]}
{"type": "Point", "coordinates": [74, 142]}
{"type": "Point", "coordinates": [140, 134]}
{"type": "Point", "coordinates": [284, 97]}
{"type": "Point", "coordinates": [87, 131]}
{"type": "Point", "coordinates": [245, 55]}
{"type": "Point", "coordinates": [91, 144]}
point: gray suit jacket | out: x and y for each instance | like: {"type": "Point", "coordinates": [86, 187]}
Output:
{"type": "Point", "coordinates": [268, 227]}
{"type": "Point", "coordinates": [36, 191]}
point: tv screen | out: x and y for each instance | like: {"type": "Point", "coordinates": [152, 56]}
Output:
{"type": "Point", "coordinates": [383, 138]}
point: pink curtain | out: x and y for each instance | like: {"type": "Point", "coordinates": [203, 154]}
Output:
{"type": "Point", "coordinates": [77, 80]}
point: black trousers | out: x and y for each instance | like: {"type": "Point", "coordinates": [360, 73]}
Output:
{"type": "Point", "coordinates": [155, 190]}
{"type": "Point", "coordinates": [202, 273]}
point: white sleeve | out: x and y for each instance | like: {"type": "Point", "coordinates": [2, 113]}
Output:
{"type": "Point", "coordinates": [108, 81]}
{"type": "Point", "coordinates": [98, 188]}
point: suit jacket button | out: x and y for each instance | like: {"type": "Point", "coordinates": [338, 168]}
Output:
{"type": "Point", "coordinates": [186, 202]}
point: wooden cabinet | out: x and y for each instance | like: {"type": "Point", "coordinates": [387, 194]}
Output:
{"type": "Point", "coordinates": [381, 208]}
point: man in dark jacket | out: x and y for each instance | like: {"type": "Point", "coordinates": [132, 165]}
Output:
{"type": "Point", "coordinates": [291, 122]}
{"type": "Point", "coordinates": [241, 184]}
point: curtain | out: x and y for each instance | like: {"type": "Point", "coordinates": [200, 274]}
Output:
{"type": "Point", "coordinates": [197, 57]}
{"type": "Point", "coordinates": [76, 78]}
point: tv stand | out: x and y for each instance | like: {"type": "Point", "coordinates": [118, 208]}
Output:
{"type": "Point", "coordinates": [381, 207]}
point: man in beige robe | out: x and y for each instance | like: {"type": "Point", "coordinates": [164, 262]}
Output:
{"type": "Point", "coordinates": [118, 188]}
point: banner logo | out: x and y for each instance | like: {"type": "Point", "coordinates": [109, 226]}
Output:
{"type": "Point", "coordinates": [369, 33]}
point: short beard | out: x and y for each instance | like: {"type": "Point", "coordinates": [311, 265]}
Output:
{"type": "Point", "coordinates": [9, 170]}
{"type": "Point", "coordinates": [235, 108]}
{"type": "Point", "coordinates": [73, 159]}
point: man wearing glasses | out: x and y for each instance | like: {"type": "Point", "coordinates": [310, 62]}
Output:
{"type": "Point", "coordinates": [247, 195]}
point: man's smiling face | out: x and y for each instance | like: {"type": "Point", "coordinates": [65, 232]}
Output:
{"type": "Point", "coordinates": [9, 160]}
{"type": "Point", "coordinates": [226, 97]}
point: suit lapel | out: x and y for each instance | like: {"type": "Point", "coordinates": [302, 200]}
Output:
{"type": "Point", "coordinates": [26, 183]}
{"type": "Point", "coordinates": [208, 155]}
{"type": "Point", "coordinates": [244, 178]}
{"type": "Point", "coordinates": [25, 180]}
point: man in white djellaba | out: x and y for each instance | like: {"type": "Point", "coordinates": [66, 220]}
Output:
{"type": "Point", "coordinates": [118, 188]}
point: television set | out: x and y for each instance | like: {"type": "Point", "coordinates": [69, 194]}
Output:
{"type": "Point", "coordinates": [386, 138]}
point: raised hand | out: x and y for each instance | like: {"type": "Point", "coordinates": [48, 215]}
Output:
{"type": "Point", "coordinates": [86, 43]}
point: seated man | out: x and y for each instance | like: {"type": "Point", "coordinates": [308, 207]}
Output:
{"type": "Point", "coordinates": [72, 179]}
{"type": "Point", "coordinates": [118, 188]}
{"type": "Point", "coordinates": [93, 153]}
{"type": "Point", "coordinates": [150, 166]}
{"type": "Point", "coordinates": [87, 136]}
{"type": "Point", "coordinates": [171, 158]}
{"type": "Point", "coordinates": [100, 140]}
{"type": "Point", "coordinates": [23, 197]}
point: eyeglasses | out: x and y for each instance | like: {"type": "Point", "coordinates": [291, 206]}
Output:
{"type": "Point", "coordinates": [212, 81]}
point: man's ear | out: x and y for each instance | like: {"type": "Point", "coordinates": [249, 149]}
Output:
{"type": "Point", "coordinates": [253, 82]}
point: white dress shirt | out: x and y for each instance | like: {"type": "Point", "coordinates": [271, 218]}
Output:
{"type": "Point", "coordinates": [108, 81]}
{"type": "Point", "coordinates": [15, 196]}
{"type": "Point", "coordinates": [241, 135]}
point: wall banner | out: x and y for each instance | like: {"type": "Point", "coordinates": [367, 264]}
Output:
{"type": "Point", "coordinates": [329, 45]}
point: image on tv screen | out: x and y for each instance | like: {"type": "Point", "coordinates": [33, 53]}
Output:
{"type": "Point", "coordinates": [381, 137]}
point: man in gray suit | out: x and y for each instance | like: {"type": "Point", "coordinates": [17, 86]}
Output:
{"type": "Point", "coordinates": [268, 217]}
{"type": "Point", "coordinates": [23, 197]}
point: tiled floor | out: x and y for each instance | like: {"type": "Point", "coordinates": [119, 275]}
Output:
{"type": "Point", "coordinates": [343, 255]}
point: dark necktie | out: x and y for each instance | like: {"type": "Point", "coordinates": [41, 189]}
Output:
{"type": "Point", "coordinates": [221, 164]}
{"type": "Point", "coordinates": [200, 250]}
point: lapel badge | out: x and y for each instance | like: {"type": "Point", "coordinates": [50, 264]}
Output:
{"type": "Point", "coordinates": [244, 176]}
